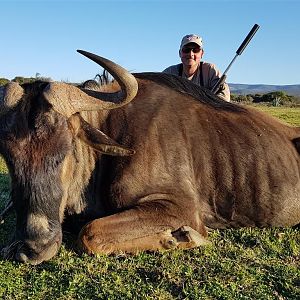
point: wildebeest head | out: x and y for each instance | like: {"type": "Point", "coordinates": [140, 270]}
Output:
{"type": "Point", "coordinates": [39, 125]}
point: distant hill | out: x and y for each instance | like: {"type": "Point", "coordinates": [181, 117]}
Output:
{"type": "Point", "coordinates": [244, 89]}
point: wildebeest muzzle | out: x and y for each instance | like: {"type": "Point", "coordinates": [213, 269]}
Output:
{"type": "Point", "coordinates": [34, 246]}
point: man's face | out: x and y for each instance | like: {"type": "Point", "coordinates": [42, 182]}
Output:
{"type": "Point", "coordinates": [191, 54]}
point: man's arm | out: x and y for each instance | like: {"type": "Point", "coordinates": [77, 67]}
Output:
{"type": "Point", "coordinates": [224, 92]}
{"type": "Point", "coordinates": [215, 75]}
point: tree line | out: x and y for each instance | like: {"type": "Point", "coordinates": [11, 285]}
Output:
{"type": "Point", "coordinates": [21, 80]}
{"type": "Point", "coordinates": [277, 98]}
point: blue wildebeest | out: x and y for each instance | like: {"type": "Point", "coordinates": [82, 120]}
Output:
{"type": "Point", "coordinates": [151, 166]}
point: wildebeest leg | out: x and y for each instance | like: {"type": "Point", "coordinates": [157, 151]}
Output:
{"type": "Point", "coordinates": [137, 230]}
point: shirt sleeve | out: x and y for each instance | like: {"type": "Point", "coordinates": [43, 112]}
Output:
{"type": "Point", "coordinates": [172, 70]}
{"type": "Point", "coordinates": [224, 92]}
{"type": "Point", "coordinates": [167, 70]}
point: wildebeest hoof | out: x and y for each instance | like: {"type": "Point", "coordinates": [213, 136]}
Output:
{"type": "Point", "coordinates": [183, 238]}
{"type": "Point", "coordinates": [168, 241]}
{"type": "Point", "coordinates": [187, 237]}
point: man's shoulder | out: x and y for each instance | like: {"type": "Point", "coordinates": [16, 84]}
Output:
{"type": "Point", "coordinates": [174, 69]}
{"type": "Point", "coordinates": [211, 68]}
{"type": "Point", "coordinates": [209, 65]}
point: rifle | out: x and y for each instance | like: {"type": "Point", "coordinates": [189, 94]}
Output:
{"type": "Point", "coordinates": [238, 52]}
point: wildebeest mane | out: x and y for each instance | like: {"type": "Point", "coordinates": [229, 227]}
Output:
{"type": "Point", "coordinates": [185, 86]}
{"type": "Point", "coordinates": [98, 81]}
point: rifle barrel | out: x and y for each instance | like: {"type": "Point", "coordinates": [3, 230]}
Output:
{"type": "Point", "coordinates": [230, 64]}
{"type": "Point", "coordinates": [238, 52]}
{"type": "Point", "coordinates": [247, 39]}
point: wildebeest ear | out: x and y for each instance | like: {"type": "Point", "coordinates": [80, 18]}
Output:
{"type": "Point", "coordinates": [95, 138]}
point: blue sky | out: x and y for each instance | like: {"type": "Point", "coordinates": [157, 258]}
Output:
{"type": "Point", "coordinates": [41, 36]}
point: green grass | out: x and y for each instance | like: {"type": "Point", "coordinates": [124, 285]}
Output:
{"type": "Point", "coordinates": [287, 114]}
{"type": "Point", "coordinates": [239, 264]}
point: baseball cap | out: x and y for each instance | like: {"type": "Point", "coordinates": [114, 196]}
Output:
{"type": "Point", "coordinates": [191, 38]}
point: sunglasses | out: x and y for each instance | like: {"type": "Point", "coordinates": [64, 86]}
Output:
{"type": "Point", "coordinates": [194, 49]}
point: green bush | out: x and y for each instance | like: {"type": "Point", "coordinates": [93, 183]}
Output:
{"type": "Point", "coordinates": [4, 81]}
{"type": "Point", "coordinates": [278, 98]}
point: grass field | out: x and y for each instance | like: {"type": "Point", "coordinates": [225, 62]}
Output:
{"type": "Point", "coordinates": [239, 264]}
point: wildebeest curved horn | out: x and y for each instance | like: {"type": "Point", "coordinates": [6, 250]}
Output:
{"type": "Point", "coordinates": [10, 95]}
{"type": "Point", "coordinates": [69, 99]}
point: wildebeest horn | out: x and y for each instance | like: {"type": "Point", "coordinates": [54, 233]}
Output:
{"type": "Point", "coordinates": [68, 99]}
{"type": "Point", "coordinates": [10, 95]}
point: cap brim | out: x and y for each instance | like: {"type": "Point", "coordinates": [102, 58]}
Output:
{"type": "Point", "coordinates": [190, 43]}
